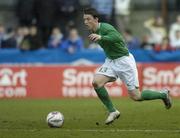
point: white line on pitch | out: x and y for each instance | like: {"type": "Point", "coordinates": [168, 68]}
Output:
{"type": "Point", "coordinates": [101, 130]}
{"type": "Point", "coordinates": [123, 130]}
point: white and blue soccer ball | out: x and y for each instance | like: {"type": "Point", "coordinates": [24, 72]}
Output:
{"type": "Point", "coordinates": [55, 119]}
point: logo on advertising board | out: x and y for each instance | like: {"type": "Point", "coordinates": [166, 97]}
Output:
{"type": "Point", "coordinates": [12, 83]}
{"type": "Point", "coordinates": [162, 77]}
{"type": "Point", "coordinates": [77, 82]}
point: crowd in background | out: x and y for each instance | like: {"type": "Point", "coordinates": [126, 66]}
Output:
{"type": "Point", "coordinates": [53, 24]}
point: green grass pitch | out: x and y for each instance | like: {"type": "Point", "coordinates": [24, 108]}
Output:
{"type": "Point", "coordinates": [84, 118]}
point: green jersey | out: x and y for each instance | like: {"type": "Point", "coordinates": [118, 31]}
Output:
{"type": "Point", "coordinates": [111, 41]}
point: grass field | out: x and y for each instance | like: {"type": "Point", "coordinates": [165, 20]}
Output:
{"type": "Point", "coordinates": [26, 119]}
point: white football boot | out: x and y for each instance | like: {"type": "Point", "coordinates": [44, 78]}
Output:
{"type": "Point", "coordinates": [112, 116]}
{"type": "Point", "coordinates": [167, 101]}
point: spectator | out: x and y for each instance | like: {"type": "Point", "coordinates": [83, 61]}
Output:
{"type": "Point", "coordinates": [9, 40]}
{"type": "Point", "coordinates": [32, 41]}
{"type": "Point", "coordinates": [164, 46]}
{"type": "Point", "coordinates": [122, 12]}
{"type": "Point", "coordinates": [104, 8]}
{"type": "Point", "coordinates": [19, 35]}
{"type": "Point", "coordinates": [175, 41]}
{"type": "Point", "coordinates": [14, 37]}
{"type": "Point", "coordinates": [157, 29]}
{"type": "Point", "coordinates": [145, 44]}
{"type": "Point", "coordinates": [56, 38]}
{"type": "Point", "coordinates": [2, 34]}
{"type": "Point", "coordinates": [25, 30]}
{"type": "Point", "coordinates": [132, 42]}
{"type": "Point", "coordinates": [174, 28]}
{"type": "Point", "coordinates": [73, 43]}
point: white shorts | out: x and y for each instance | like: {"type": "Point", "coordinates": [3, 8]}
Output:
{"type": "Point", "coordinates": [123, 68]}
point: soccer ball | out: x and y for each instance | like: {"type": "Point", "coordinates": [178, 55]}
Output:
{"type": "Point", "coordinates": [55, 119]}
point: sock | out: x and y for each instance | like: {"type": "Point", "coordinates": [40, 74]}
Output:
{"type": "Point", "coordinates": [104, 97]}
{"type": "Point", "coordinates": [151, 95]}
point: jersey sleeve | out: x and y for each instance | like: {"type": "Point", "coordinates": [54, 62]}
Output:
{"type": "Point", "coordinates": [111, 36]}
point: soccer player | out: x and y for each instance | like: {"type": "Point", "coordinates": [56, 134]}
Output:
{"type": "Point", "coordinates": [118, 64]}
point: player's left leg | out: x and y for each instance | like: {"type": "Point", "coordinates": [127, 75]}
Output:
{"type": "Point", "coordinates": [136, 95]}
{"type": "Point", "coordinates": [129, 76]}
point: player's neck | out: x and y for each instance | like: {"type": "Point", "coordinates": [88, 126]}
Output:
{"type": "Point", "coordinates": [96, 27]}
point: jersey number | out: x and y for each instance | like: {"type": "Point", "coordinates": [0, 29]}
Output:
{"type": "Point", "coordinates": [103, 69]}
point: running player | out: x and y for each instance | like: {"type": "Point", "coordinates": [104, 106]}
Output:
{"type": "Point", "coordinates": [118, 64]}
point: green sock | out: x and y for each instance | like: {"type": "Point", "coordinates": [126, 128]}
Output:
{"type": "Point", "coordinates": [104, 97]}
{"type": "Point", "coordinates": [151, 95]}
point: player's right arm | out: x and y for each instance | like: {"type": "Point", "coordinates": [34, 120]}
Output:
{"type": "Point", "coordinates": [111, 36]}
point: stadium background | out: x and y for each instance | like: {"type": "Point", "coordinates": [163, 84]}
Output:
{"type": "Point", "coordinates": [37, 79]}
{"type": "Point", "coordinates": [20, 64]}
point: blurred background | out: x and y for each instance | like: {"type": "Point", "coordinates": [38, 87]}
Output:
{"type": "Point", "coordinates": [144, 24]}
{"type": "Point", "coordinates": [47, 39]}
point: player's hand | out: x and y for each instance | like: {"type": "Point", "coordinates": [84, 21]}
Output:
{"type": "Point", "coordinates": [94, 37]}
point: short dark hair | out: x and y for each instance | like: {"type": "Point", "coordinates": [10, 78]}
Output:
{"type": "Point", "coordinates": [92, 12]}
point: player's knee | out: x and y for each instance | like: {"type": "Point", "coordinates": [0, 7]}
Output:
{"type": "Point", "coordinates": [135, 95]}
{"type": "Point", "coordinates": [94, 84]}
{"type": "Point", "coordinates": [97, 84]}
{"type": "Point", "coordinates": [136, 98]}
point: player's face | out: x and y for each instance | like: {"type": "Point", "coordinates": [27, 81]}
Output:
{"type": "Point", "coordinates": [90, 21]}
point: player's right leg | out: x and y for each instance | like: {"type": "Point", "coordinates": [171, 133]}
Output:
{"type": "Point", "coordinates": [98, 84]}
{"type": "Point", "coordinates": [112, 116]}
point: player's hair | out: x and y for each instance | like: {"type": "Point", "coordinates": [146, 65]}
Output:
{"type": "Point", "coordinates": [92, 12]}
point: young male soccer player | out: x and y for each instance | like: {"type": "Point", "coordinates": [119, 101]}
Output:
{"type": "Point", "coordinates": [118, 64]}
